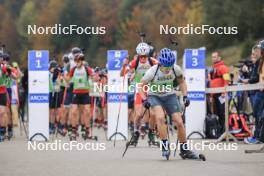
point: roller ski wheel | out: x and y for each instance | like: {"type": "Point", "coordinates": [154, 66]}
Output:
{"type": "Point", "coordinates": [153, 143]}
{"type": "Point", "coordinates": [52, 131]}
{"type": "Point", "coordinates": [73, 138]}
{"type": "Point", "coordinates": [84, 136]}
{"type": "Point", "coordinates": [95, 138]}
{"type": "Point", "coordinates": [131, 143]}
{"type": "Point", "coordinates": [134, 140]}
{"type": "Point", "coordinates": [192, 156]}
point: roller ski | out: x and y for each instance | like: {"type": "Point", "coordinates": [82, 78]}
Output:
{"type": "Point", "coordinates": [72, 134]}
{"type": "Point", "coordinates": [134, 139]}
{"type": "Point", "coordinates": [52, 129]}
{"type": "Point", "coordinates": [105, 125]}
{"type": "Point", "coordinates": [73, 137]}
{"type": "Point", "coordinates": [151, 139]}
{"type": "Point", "coordinates": [144, 130]}
{"type": "Point", "coordinates": [94, 138]}
{"type": "Point", "coordinates": [131, 127]}
{"type": "Point", "coordinates": [62, 131]}
{"type": "Point", "coordinates": [86, 136]}
{"type": "Point", "coordinates": [10, 134]}
{"type": "Point", "coordinates": [187, 154]}
{"type": "Point", "coordinates": [2, 138]}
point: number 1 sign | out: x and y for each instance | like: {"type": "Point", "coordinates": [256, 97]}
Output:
{"type": "Point", "coordinates": [38, 95]}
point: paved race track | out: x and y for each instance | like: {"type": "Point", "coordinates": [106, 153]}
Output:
{"type": "Point", "coordinates": [16, 160]}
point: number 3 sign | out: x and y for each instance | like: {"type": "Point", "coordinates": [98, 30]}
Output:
{"type": "Point", "coordinates": [194, 58]}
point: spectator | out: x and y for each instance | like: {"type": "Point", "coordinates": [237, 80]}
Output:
{"type": "Point", "coordinates": [258, 104]}
{"type": "Point", "coordinates": [254, 76]}
{"type": "Point", "coordinates": [219, 77]}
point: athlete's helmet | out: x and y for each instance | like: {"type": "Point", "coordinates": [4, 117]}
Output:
{"type": "Point", "coordinates": [53, 64]}
{"type": "Point", "coordinates": [96, 69]}
{"type": "Point", "coordinates": [6, 57]}
{"type": "Point", "coordinates": [76, 50]}
{"type": "Point", "coordinates": [142, 49]}
{"type": "Point", "coordinates": [65, 58]}
{"type": "Point", "coordinates": [166, 57]}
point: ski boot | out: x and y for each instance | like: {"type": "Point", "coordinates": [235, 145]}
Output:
{"type": "Point", "coordinates": [105, 125]}
{"type": "Point", "coordinates": [131, 127]}
{"type": "Point", "coordinates": [62, 131]}
{"type": "Point", "coordinates": [73, 136]}
{"type": "Point", "coordinates": [187, 154]}
{"type": "Point", "coordinates": [143, 132]}
{"type": "Point", "coordinates": [151, 137]}
{"type": "Point", "coordinates": [87, 135]}
{"type": "Point", "coordinates": [51, 128]}
{"type": "Point", "coordinates": [9, 134]}
{"type": "Point", "coordinates": [84, 134]}
{"type": "Point", "coordinates": [165, 149]}
{"type": "Point", "coordinates": [134, 139]}
{"type": "Point", "coordinates": [2, 138]}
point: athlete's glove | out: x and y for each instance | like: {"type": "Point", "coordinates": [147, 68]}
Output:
{"type": "Point", "coordinates": [146, 104]}
{"type": "Point", "coordinates": [9, 71]}
{"type": "Point", "coordinates": [186, 101]}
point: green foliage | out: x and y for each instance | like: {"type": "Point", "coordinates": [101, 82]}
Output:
{"type": "Point", "coordinates": [27, 17]}
{"type": "Point", "coordinates": [246, 47]}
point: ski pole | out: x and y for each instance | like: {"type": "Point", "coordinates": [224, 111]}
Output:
{"type": "Point", "coordinates": [119, 108]}
{"type": "Point", "coordinates": [127, 144]}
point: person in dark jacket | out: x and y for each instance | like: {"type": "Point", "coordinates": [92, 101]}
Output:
{"type": "Point", "coordinates": [258, 103]}
{"type": "Point", "coordinates": [253, 74]}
